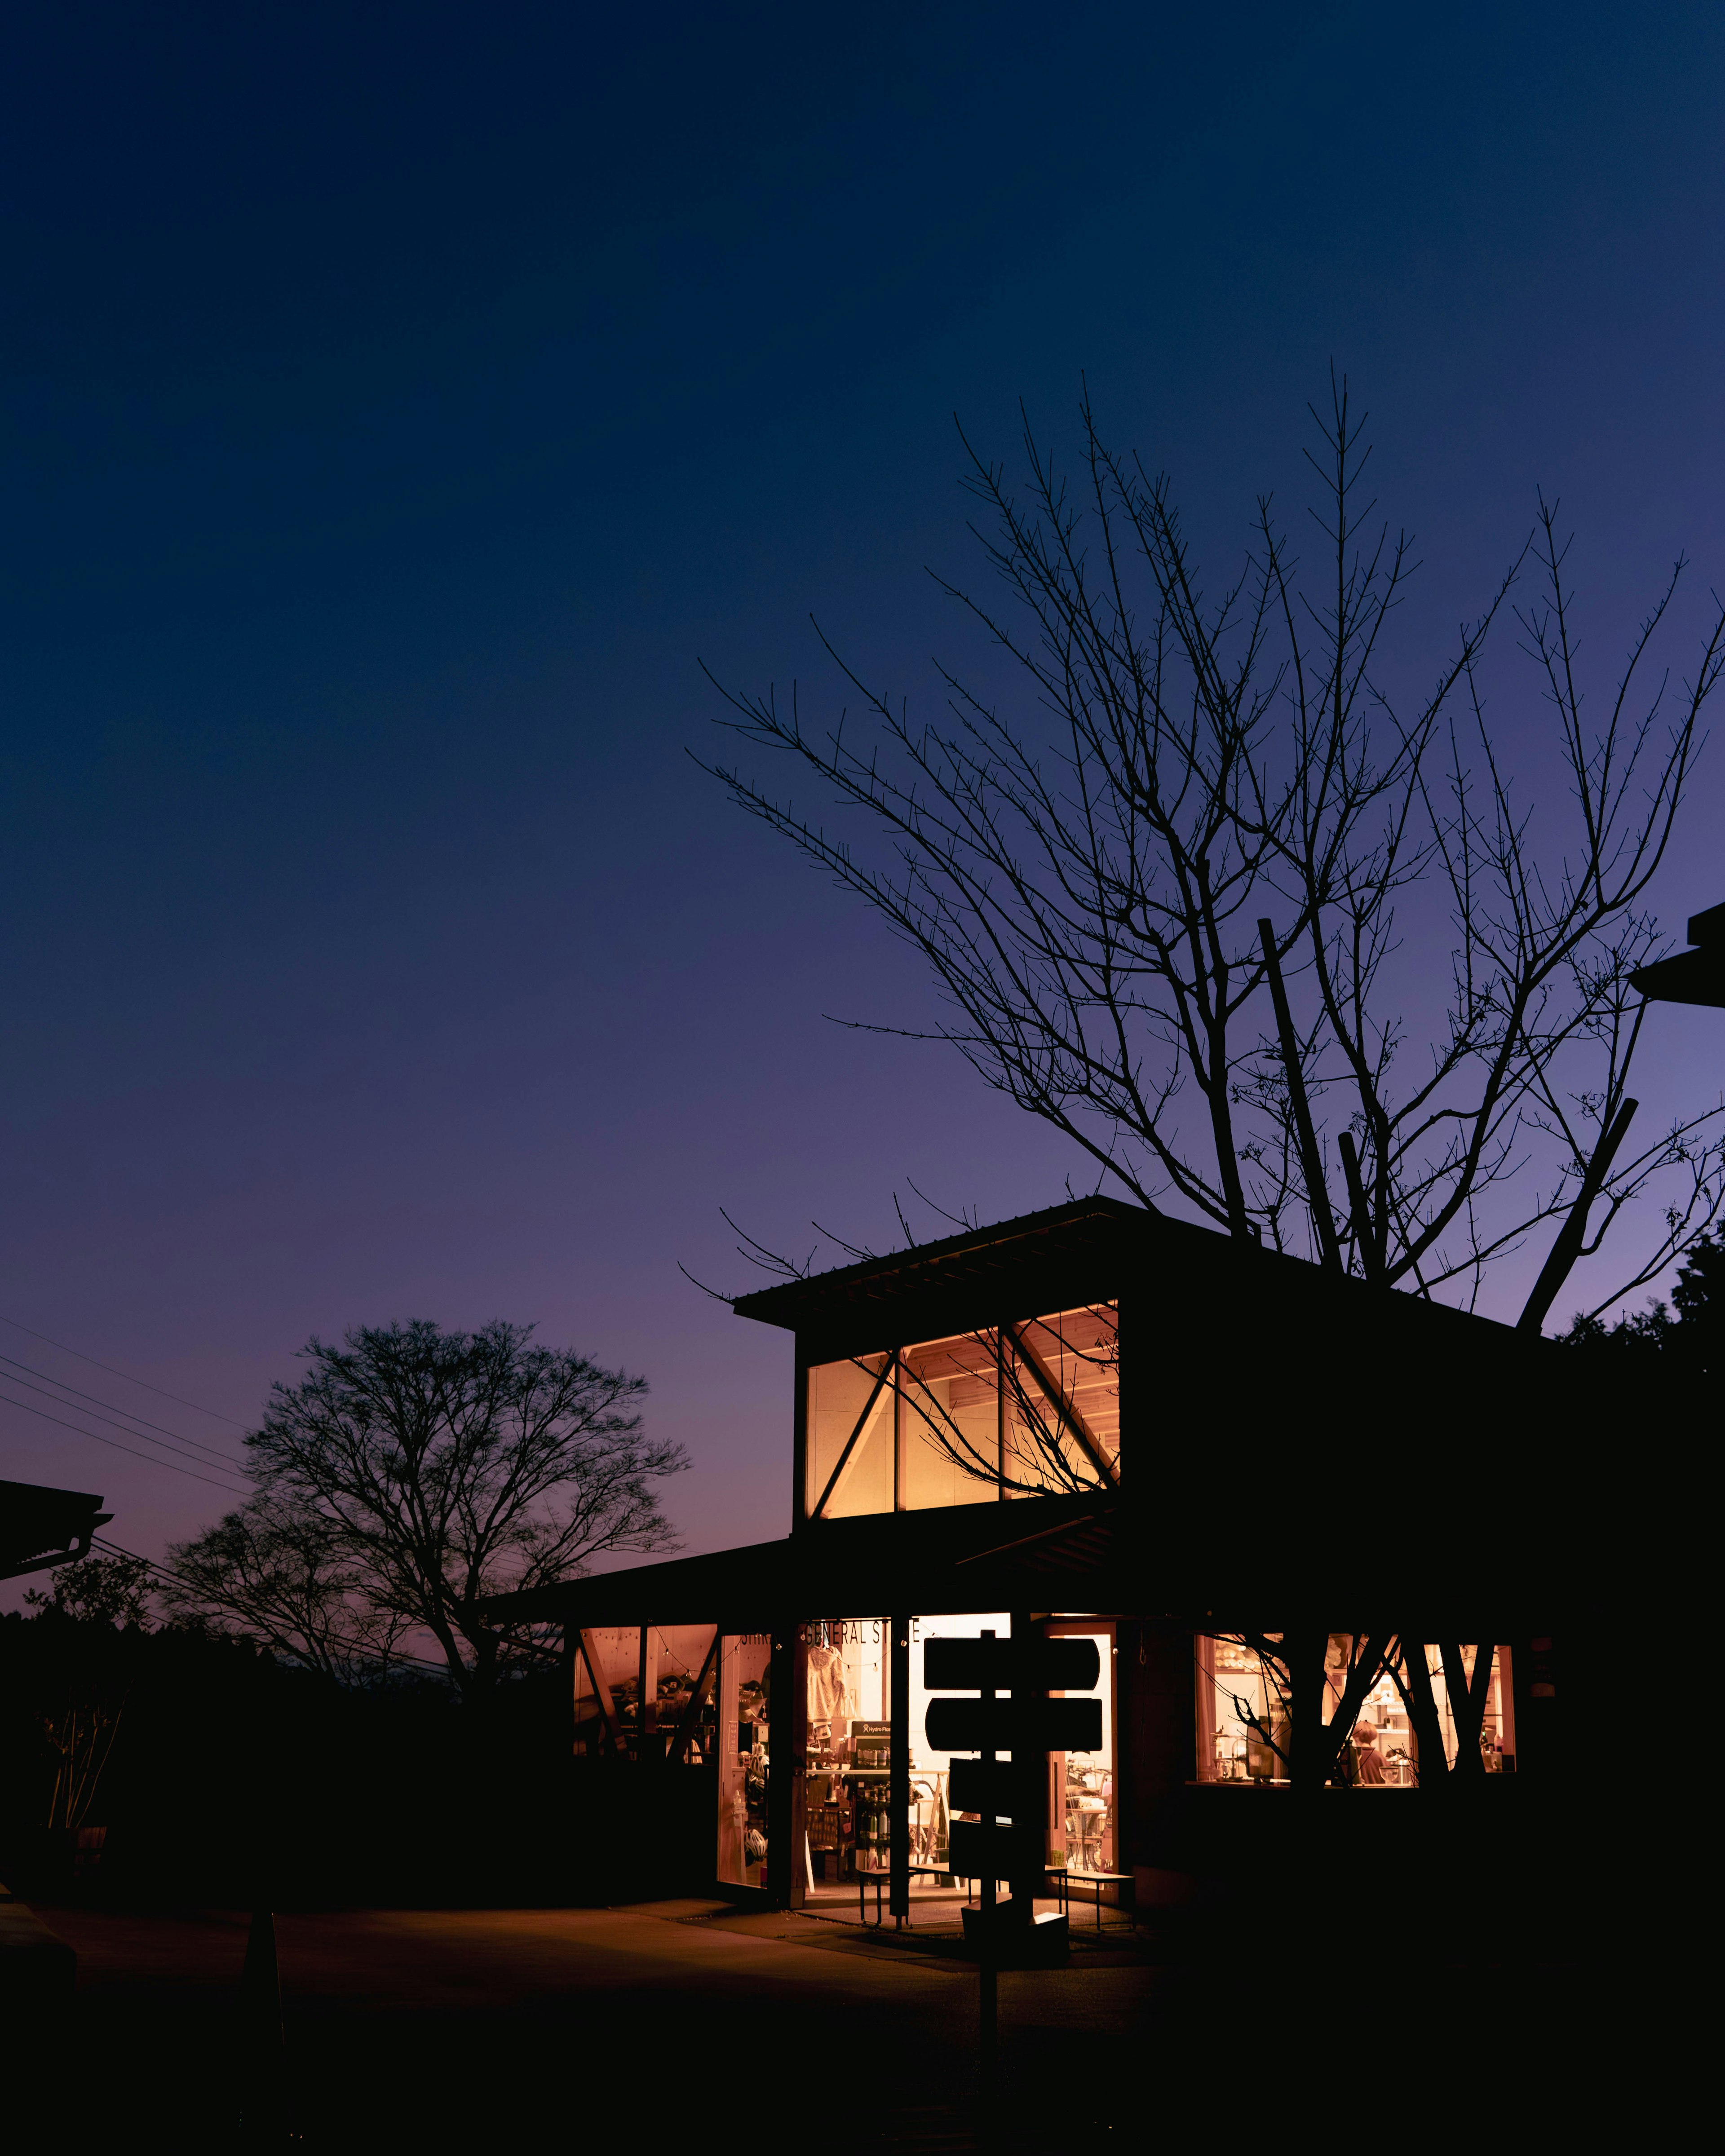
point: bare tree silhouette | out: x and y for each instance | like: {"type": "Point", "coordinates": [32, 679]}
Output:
{"type": "Point", "coordinates": [1168, 879]}
{"type": "Point", "coordinates": [412, 1474]}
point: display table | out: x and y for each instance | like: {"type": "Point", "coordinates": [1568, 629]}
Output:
{"type": "Point", "coordinates": [1063, 1877]}
{"type": "Point", "coordinates": [883, 1878]}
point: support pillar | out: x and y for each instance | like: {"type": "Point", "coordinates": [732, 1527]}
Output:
{"type": "Point", "coordinates": [899, 1784]}
{"type": "Point", "coordinates": [787, 1764]}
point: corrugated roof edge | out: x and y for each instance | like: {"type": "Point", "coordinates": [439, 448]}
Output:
{"type": "Point", "coordinates": [781, 1303]}
{"type": "Point", "coordinates": [795, 1305]}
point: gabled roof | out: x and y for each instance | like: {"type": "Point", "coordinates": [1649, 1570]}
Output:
{"type": "Point", "coordinates": [1205, 1286]}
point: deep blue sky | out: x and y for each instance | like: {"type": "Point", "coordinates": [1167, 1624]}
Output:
{"type": "Point", "coordinates": [398, 402]}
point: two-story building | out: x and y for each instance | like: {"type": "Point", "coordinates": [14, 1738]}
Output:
{"type": "Point", "coordinates": [1095, 1420]}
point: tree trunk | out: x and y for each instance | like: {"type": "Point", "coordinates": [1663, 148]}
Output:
{"type": "Point", "coordinates": [1305, 1697]}
{"type": "Point", "coordinates": [1467, 1706]}
{"type": "Point", "coordinates": [1422, 1712]}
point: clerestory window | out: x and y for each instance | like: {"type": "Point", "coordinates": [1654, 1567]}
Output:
{"type": "Point", "coordinates": [1018, 1409]}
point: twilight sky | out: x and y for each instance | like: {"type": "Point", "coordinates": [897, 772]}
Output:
{"type": "Point", "coordinates": [399, 401]}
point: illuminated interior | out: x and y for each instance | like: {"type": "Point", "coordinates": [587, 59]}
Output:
{"type": "Point", "coordinates": [1016, 1410]}
{"type": "Point", "coordinates": [851, 1712]}
{"type": "Point", "coordinates": [1242, 1719]}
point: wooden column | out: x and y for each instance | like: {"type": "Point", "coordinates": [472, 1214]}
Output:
{"type": "Point", "coordinates": [799, 1444]}
{"type": "Point", "coordinates": [601, 1693]}
{"type": "Point", "coordinates": [899, 1760]}
{"type": "Point", "coordinates": [788, 1757]}
{"type": "Point", "coordinates": [647, 1745]}
{"type": "Point", "coordinates": [901, 1438]}
{"type": "Point", "coordinates": [1000, 1353]}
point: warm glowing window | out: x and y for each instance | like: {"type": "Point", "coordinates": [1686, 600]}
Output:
{"type": "Point", "coordinates": [1013, 1410]}
{"type": "Point", "coordinates": [1244, 1728]}
{"type": "Point", "coordinates": [1063, 1421]}
{"type": "Point", "coordinates": [850, 1437]}
{"type": "Point", "coordinates": [949, 1419]}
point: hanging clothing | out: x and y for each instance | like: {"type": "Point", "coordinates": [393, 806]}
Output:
{"type": "Point", "coordinates": [829, 1695]}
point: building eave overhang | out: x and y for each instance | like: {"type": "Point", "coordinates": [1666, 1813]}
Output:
{"type": "Point", "coordinates": [1071, 1555]}
{"type": "Point", "coordinates": [41, 1528]}
{"type": "Point", "coordinates": [1089, 1229]}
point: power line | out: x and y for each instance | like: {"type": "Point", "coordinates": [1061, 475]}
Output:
{"type": "Point", "coordinates": [149, 1459]}
{"type": "Point", "coordinates": [197, 1443]}
{"type": "Point", "coordinates": [177, 1398]}
{"type": "Point", "coordinates": [203, 1452]}
{"type": "Point", "coordinates": [124, 1428]}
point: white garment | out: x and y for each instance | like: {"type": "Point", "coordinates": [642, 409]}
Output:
{"type": "Point", "coordinates": [828, 1696]}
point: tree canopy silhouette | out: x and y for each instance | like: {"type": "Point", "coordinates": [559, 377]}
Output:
{"type": "Point", "coordinates": [413, 1473]}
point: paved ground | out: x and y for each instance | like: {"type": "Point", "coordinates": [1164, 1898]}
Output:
{"type": "Point", "coordinates": [681, 2025]}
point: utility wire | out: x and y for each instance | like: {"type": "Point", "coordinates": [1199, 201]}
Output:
{"type": "Point", "coordinates": [179, 1399]}
{"type": "Point", "coordinates": [150, 1459]}
{"type": "Point", "coordinates": [204, 1454]}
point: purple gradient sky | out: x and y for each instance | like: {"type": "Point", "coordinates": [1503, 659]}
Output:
{"type": "Point", "coordinates": [396, 406]}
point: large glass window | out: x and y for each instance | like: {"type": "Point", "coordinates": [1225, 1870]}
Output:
{"type": "Point", "coordinates": [1013, 1410]}
{"type": "Point", "coordinates": [850, 1437]}
{"type": "Point", "coordinates": [949, 1415]}
{"type": "Point", "coordinates": [645, 1690]}
{"type": "Point", "coordinates": [1243, 1727]}
{"type": "Point", "coordinates": [1062, 1376]}
{"type": "Point", "coordinates": [1385, 1748]}
{"type": "Point", "coordinates": [1085, 1820]}
{"type": "Point", "coordinates": [852, 1827]}
{"type": "Point", "coordinates": [848, 1769]}
{"type": "Point", "coordinates": [607, 1677]}
{"type": "Point", "coordinates": [744, 1736]}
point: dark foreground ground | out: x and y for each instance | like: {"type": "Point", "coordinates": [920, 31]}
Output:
{"type": "Point", "coordinates": [678, 2026]}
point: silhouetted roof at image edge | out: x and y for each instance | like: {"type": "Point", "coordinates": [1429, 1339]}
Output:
{"type": "Point", "coordinates": [40, 1526]}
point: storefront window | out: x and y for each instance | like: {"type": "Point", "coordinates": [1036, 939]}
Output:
{"type": "Point", "coordinates": [1243, 1731]}
{"type": "Point", "coordinates": [743, 1739]}
{"type": "Point", "coordinates": [851, 1714]}
{"type": "Point", "coordinates": [607, 1670]}
{"type": "Point", "coordinates": [1010, 1411]}
{"type": "Point", "coordinates": [1385, 1748]}
{"type": "Point", "coordinates": [848, 1769]}
{"type": "Point", "coordinates": [1235, 1690]}
{"type": "Point", "coordinates": [667, 1665]}
{"type": "Point", "coordinates": [1084, 1821]}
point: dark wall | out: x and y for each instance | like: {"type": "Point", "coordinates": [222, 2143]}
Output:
{"type": "Point", "coordinates": [232, 1777]}
{"type": "Point", "coordinates": [1156, 1740]}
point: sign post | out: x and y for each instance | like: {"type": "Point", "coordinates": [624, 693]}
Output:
{"type": "Point", "coordinates": [1011, 1713]}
